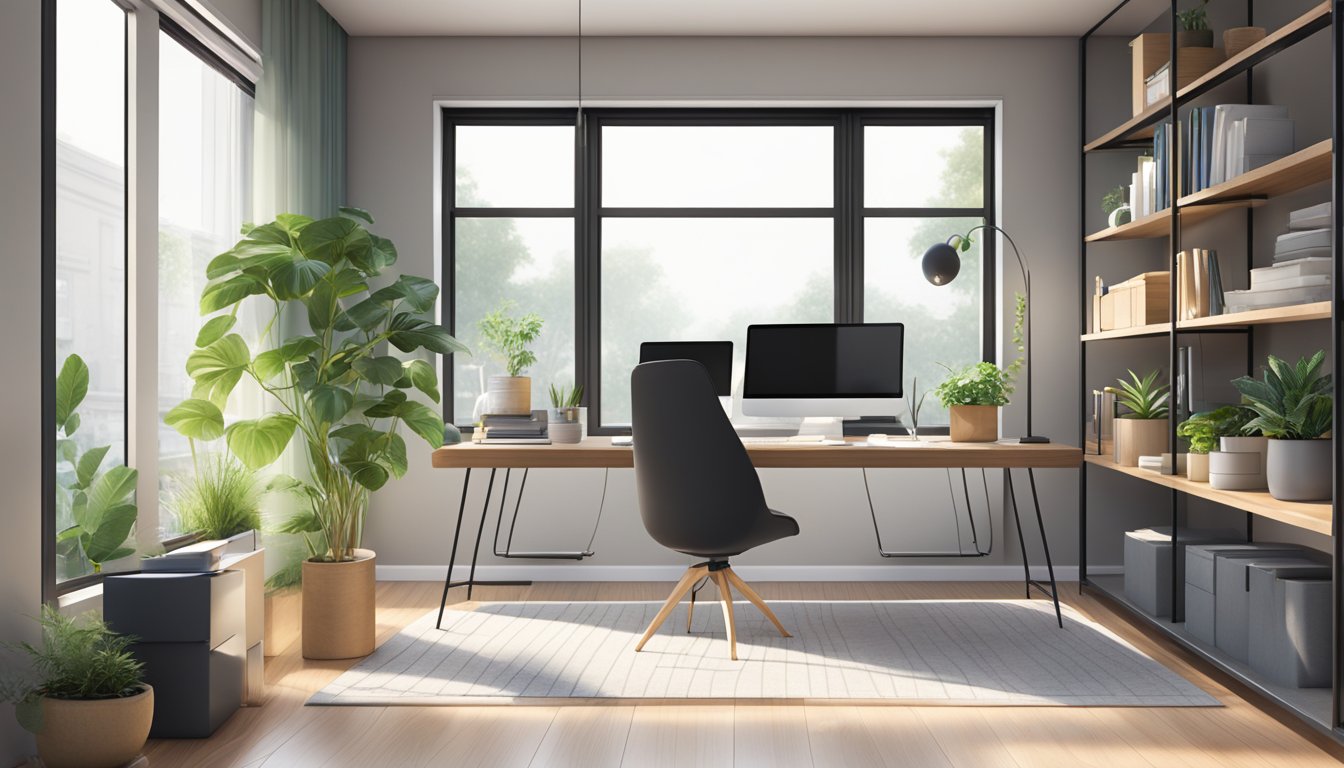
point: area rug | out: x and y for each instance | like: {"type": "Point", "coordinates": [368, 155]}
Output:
{"type": "Point", "coordinates": [986, 652]}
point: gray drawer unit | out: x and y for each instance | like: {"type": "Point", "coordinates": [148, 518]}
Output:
{"type": "Point", "coordinates": [190, 632]}
{"type": "Point", "coordinates": [1233, 599]}
{"type": "Point", "coordinates": [1201, 563]}
{"type": "Point", "coordinates": [1290, 624]}
{"type": "Point", "coordinates": [1149, 564]}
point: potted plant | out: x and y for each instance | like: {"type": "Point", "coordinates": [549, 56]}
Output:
{"type": "Point", "coordinates": [1293, 409]}
{"type": "Point", "coordinates": [973, 395]}
{"type": "Point", "coordinates": [336, 386]}
{"type": "Point", "coordinates": [100, 505]}
{"type": "Point", "coordinates": [510, 339]}
{"type": "Point", "coordinates": [565, 422]}
{"type": "Point", "coordinates": [1194, 29]}
{"type": "Point", "coordinates": [221, 501]}
{"type": "Point", "coordinates": [1116, 209]}
{"type": "Point", "coordinates": [1143, 430]}
{"type": "Point", "coordinates": [1203, 431]}
{"type": "Point", "coordinates": [87, 701]}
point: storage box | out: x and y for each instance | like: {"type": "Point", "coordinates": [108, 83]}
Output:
{"type": "Point", "coordinates": [1290, 624]}
{"type": "Point", "coordinates": [1201, 584]}
{"type": "Point", "coordinates": [1233, 598]}
{"type": "Point", "coordinates": [1151, 50]}
{"type": "Point", "coordinates": [1149, 564]}
{"type": "Point", "coordinates": [1140, 300]}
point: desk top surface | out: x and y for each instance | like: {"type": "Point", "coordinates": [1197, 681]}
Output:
{"type": "Point", "coordinates": [929, 452]}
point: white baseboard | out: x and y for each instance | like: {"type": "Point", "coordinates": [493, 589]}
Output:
{"type": "Point", "coordinates": [567, 572]}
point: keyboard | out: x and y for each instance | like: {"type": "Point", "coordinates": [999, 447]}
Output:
{"type": "Point", "coordinates": [794, 439]}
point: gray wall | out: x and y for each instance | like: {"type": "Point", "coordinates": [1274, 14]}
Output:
{"type": "Point", "coordinates": [393, 83]}
{"type": "Point", "coordinates": [20, 314]}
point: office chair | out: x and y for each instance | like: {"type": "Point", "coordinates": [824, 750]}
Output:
{"type": "Point", "coordinates": [698, 491]}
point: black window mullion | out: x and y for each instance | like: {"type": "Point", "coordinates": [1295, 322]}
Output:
{"type": "Point", "coordinates": [845, 252]}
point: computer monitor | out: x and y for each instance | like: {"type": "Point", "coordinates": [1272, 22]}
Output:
{"type": "Point", "coordinates": [823, 369]}
{"type": "Point", "coordinates": [716, 356]}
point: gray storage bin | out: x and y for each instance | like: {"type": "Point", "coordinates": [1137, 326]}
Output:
{"type": "Point", "coordinates": [1290, 624]}
{"type": "Point", "coordinates": [1201, 562]}
{"type": "Point", "coordinates": [1149, 564]}
{"type": "Point", "coordinates": [1233, 599]}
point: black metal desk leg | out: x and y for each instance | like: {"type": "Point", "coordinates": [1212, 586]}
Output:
{"type": "Point", "coordinates": [452, 555]}
{"type": "Point", "coordinates": [476, 552]}
{"type": "Point", "coordinates": [1053, 592]}
{"type": "Point", "coordinates": [1021, 542]}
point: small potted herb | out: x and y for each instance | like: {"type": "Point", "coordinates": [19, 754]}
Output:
{"type": "Point", "coordinates": [1194, 29]}
{"type": "Point", "coordinates": [973, 395]}
{"type": "Point", "coordinates": [510, 338]}
{"type": "Point", "coordinates": [1116, 209]}
{"type": "Point", "coordinates": [1142, 430]}
{"type": "Point", "coordinates": [565, 417]}
{"type": "Point", "coordinates": [86, 698]}
{"type": "Point", "coordinates": [1203, 431]}
{"type": "Point", "coordinates": [1294, 409]}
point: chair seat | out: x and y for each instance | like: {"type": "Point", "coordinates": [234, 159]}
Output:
{"type": "Point", "coordinates": [768, 528]}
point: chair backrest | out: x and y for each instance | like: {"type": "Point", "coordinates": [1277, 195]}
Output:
{"type": "Point", "coordinates": [697, 487]}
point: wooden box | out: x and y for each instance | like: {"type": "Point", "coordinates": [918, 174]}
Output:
{"type": "Point", "coordinates": [1140, 300]}
{"type": "Point", "coordinates": [1150, 50]}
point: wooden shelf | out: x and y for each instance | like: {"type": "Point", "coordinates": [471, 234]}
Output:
{"type": "Point", "coordinates": [1318, 310]}
{"type": "Point", "coordinates": [1159, 224]}
{"type": "Point", "coordinates": [1156, 329]}
{"type": "Point", "coordinates": [1295, 31]}
{"type": "Point", "coordinates": [1137, 127]}
{"type": "Point", "coordinates": [1289, 174]}
{"type": "Point", "coordinates": [1313, 516]}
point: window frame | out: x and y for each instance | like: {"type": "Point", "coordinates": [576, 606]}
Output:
{"type": "Point", "coordinates": [848, 210]}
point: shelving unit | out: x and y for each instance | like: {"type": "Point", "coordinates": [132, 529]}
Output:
{"type": "Point", "coordinates": [1322, 709]}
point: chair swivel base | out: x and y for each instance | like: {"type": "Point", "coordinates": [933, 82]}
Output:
{"type": "Point", "coordinates": [721, 573]}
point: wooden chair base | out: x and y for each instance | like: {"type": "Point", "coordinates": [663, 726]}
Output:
{"type": "Point", "coordinates": [724, 579]}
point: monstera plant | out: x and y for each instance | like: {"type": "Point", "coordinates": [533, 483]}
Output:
{"type": "Point", "coordinates": [336, 385]}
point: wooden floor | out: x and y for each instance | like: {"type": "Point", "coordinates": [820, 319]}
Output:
{"type": "Point", "coordinates": [285, 733]}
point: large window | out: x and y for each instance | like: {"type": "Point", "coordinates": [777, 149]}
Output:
{"type": "Point", "coordinates": [90, 254]}
{"type": "Point", "coordinates": [205, 162]}
{"type": "Point", "coordinates": [692, 225]}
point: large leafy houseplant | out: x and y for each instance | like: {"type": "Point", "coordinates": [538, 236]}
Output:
{"type": "Point", "coordinates": [1294, 409]}
{"type": "Point", "coordinates": [336, 385]}
{"type": "Point", "coordinates": [98, 504]}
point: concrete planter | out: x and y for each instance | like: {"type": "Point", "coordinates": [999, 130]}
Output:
{"type": "Point", "coordinates": [338, 608]}
{"type": "Point", "coordinates": [98, 733]}
{"type": "Point", "coordinates": [974, 423]}
{"type": "Point", "coordinates": [1299, 470]}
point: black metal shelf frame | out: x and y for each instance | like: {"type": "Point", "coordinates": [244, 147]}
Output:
{"type": "Point", "coordinates": [1334, 727]}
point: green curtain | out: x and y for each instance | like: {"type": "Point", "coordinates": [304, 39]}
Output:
{"type": "Point", "coordinates": [299, 145]}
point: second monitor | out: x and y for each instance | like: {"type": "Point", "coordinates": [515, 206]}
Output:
{"type": "Point", "coordinates": [824, 370]}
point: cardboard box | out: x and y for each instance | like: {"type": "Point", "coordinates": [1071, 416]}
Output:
{"type": "Point", "coordinates": [1151, 50]}
{"type": "Point", "coordinates": [1140, 300]}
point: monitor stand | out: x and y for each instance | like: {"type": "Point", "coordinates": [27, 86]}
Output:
{"type": "Point", "coordinates": [821, 426]}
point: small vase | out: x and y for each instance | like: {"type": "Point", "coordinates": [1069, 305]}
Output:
{"type": "Point", "coordinates": [510, 395]}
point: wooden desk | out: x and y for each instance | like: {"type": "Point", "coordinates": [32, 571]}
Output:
{"type": "Point", "coordinates": [599, 453]}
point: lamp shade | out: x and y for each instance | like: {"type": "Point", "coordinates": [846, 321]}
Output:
{"type": "Point", "coordinates": [941, 264]}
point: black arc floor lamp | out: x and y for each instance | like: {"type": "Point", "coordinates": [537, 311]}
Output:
{"type": "Point", "coordinates": [941, 264]}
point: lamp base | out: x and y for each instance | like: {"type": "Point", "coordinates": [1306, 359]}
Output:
{"type": "Point", "coordinates": [1033, 439]}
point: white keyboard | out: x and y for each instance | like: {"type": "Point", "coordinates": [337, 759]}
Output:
{"type": "Point", "coordinates": [785, 439]}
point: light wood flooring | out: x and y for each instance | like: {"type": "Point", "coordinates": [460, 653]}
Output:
{"type": "Point", "coordinates": [284, 733]}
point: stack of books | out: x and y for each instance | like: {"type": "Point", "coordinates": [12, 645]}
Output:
{"type": "Point", "coordinates": [1201, 282]}
{"type": "Point", "coordinates": [1302, 267]}
{"type": "Point", "coordinates": [1227, 140]}
{"type": "Point", "coordinates": [514, 430]}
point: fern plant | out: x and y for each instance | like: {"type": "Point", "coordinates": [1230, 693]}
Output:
{"type": "Point", "coordinates": [1292, 402]}
{"type": "Point", "coordinates": [1145, 398]}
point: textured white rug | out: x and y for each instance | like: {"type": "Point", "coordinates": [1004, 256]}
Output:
{"type": "Point", "coordinates": [1003, 652]}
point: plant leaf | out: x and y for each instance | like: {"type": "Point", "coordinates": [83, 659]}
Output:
{"type": "Point", "coordinates": [217, 368]}
{"type": "Point", "coordinates": [196, 419]}
{"type": "Point", "coordinates": [369, 474]}
{"type": "Point", "coordinates": [292, 223]}
{"type": "Point", "coordinates": [332, 239]}
{"type": "Point", "coordinates": [270, 363]}
{"type": "Point", "coordinates": [356, 213]}
{"type": "Point", "coordinates": [424, 378]}
{"type": "Point", "coordinates": [389, 407]}
{"type": "Point", "coordinates": [72, 385]}
{"type": "Point", "coordinates": [226, 293]}
{"type": "Point", "coordinates": [296, 278]}
{"type": "Point", "coordinates": [422, 421]}
{"type": "Point", "coordinates": [214, 330]}
{"type": "Point", "coordinates": [329, 402]}
{"type": "Point", "coordinates": [88, 465]}
{"type": "Point", "coordinates": [105, 542]}
{"type": "Point", "coordinates": [259, 442]}
{"type": "Point", "coordinates": [112, 489]}
{"type": "Point", "coordinates": [385, 370]}
{"type": "Point", "coordinates": [408, 333]}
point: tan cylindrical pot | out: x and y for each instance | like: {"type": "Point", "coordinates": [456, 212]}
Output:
{"type": "Point", "coordinates": [1197, 467]}
{"type": "Point", "coordinates": [1238, 39]}
{"type": "Point", "coordinates": [974, 423]}
{"type": "Point", "coordinates": [338, 608]}
{"type": "Point", "coordinates": [99, 733]}
{"type": "Point", "coordinates": [1139, 437]}
{"type": "Point", "coordinates": [510, 395]}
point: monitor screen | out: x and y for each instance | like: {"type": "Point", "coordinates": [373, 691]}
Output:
{"type": "Point", "coordinates": [824, 361]}
{"type": "Point", "coordinates": [716, 356]}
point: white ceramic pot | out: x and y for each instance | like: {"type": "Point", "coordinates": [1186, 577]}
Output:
{"type": "Point", "coordinates": [1231, 471]}
{"type": "Point", "coordinates": [565, 432]}
{"type": "Point", "coordinates": [1197, 467]}
{"type": "Point", "coordinates": [1299, 470]}
{"type": "Point", "coordinates": [1258, 445]}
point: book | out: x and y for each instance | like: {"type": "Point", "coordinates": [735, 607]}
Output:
{"type": "Point", "coordinates": [1313, 217]}
{"type": "Point", "coordinates": [1300, 239]}
{"type": "Point", "coordinates": [1240, 301]}
{"type": "Point", "coordinates": [1314, 265]}
{"type": "Point", "coordinates": [1217, 303]}
{"type": "Point", "coordinates": [1224, 117]}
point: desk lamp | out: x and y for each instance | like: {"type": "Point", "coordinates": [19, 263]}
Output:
{"type": "Point", "coordinates": [942, 262]}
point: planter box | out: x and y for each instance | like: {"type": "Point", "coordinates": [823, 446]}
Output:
{"type": "Point", "coordinates": [974, 423]}
{"type": "Point", "coordinates": [1140, 300]}
{"type": "Point", "coordinates": [283, 617]}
